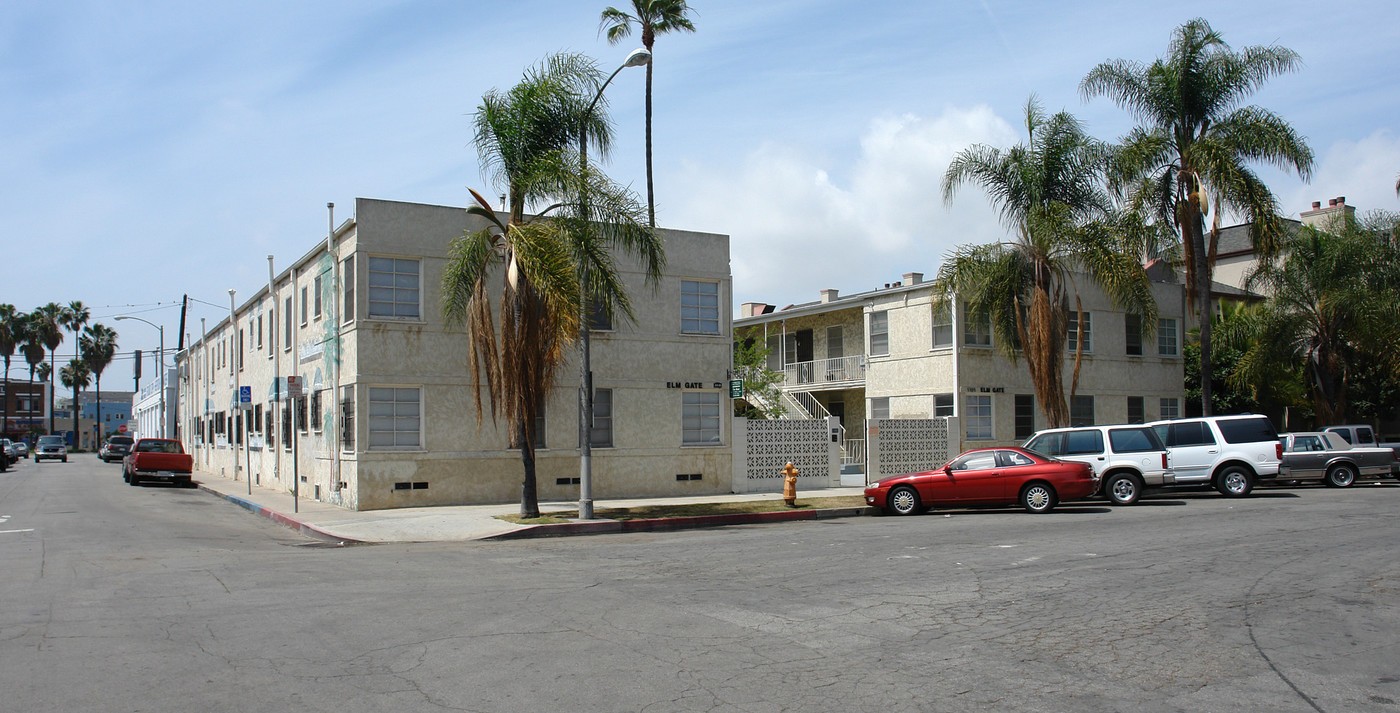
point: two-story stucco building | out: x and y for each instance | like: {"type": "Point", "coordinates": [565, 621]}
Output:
{"type": "Point", "coordinates": [889, 353]}
{"type": "Point", "coordinates": [387, 416]}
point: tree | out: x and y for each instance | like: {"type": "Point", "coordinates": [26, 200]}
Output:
{"type": "Point", "coordinates": [761, 384]}
{"type": "Point", "coordinates": [1194, 142]}
{"type": "Point", "coordinates": [99, 345]}
{"type": "Point", "coordinates": [1048, 192]}
{"type": "Point", "coordinates": [654, 17]}
{"type": "Point", "coordinates": [31, 343]}
{"type": "Point", "coordinates": [75, 317]}
{"type": "Point", "coordinates": [9, 339]}
{"type": "Point", "coordinates": [1330, 314]}
{"type": "Point", "coordinates": [77, 376]}
{"type": "Point", "coordinates": [48, 327]}
{"type": "Point", "coordinates": [526, 138]}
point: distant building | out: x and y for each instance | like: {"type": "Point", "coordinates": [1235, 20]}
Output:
{"type": "Point", "coordinates": [24, 408]}
{"type": "Point", "coordinates": [146, 408]}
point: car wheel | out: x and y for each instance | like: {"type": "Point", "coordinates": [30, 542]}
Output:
{"type": "Point", "coordinates": [1341, 475]}
{"type": "Point", "coordinates": [904, 500]}
{"type": "Point", "coordinates": [131, 479]}
{"type": "Point", "coordinates": [1038, 497]}
{"type": "Point", "coordinates": [1235, 481]}
{"type": "Point", "coordinates": [1123, 489]}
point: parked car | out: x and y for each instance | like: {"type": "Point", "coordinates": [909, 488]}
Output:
{"type": "Point", "coordinates": [115, 448]}
{"type": "Point", "coordinates": [987, 476]}
{"type": "Point", "coordinates": [23, 449]}
{"type": "Point", "coordinates": [1228, 453]}
{"type": "Point", "coordinates": [1362, 435]}
{"type": "Point", "coordinates": [1329, 458]}
{"type": "Point", "coordinates": [11, 452]}
{"type": "Point", "coordinates": [51, 448]}
{"type": "Point", "coordinates": [161, 459]}
{"type": "Point", "coordinates": [5, 451]}
{"type": "Point", "coordinates": [1126, 459]}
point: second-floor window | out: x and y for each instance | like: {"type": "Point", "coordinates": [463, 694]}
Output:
{"type": "Point", "coordinates": [1166, 337]}
{"type": "Point", "coordinates": [1132, 333]}
{"type": "Point", "coordinates": [879, 333]}
{"type": "Point", "coordinates": [393, 288]}
{"type": "Point", "coordinates": [1081, 327]}
{"type": "Point", "coordinates": [699, 307]}
{"type": "Point", "coordinates": [977, 327]}
{"type": "Point", "coordinates": [942, 326]}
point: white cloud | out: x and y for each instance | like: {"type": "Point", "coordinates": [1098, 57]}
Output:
{"type": "Point", "coordinates": [1363, 171]}
{"type": "Point", "coordinates": [795, 230]}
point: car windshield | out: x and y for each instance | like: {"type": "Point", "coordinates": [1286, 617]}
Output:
{"type": "Point", "coordinates": [50, 440]}
{"type": "Point", "coordinates": [119, 440]}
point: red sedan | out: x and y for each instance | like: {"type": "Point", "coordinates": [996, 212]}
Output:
{"type": "Point", "coordinates": [987, 476]}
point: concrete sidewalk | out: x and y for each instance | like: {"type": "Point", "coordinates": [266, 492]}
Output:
{"type": "Point", "coordinates": [460, 523]}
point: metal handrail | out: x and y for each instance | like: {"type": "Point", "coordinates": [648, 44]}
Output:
{"type": "Point", "coordinates": [825, 371]}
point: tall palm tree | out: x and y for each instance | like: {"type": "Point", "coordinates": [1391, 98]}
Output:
{"type": "Point", "coordinates": [9, 339]}
{"type": "Point", "coordinates": [77, 376]}
{"type": "Point", "coordinates": [75, 317]}
{"type": "Point", "coordinates": [1048, 192]}
{"type": "Point", "coordinates": [654, 17]}
{"type": "Point", "coordinates": [48, 325]}
{"type": "Point", "coordinates": [32, 345]}
{"type": "Point", "coordinates": [1194, 142]}
{"type": "Point", "coordinates": [99, 344]}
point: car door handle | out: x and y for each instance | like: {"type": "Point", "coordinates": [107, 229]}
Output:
{"type": "Point", "coordinates": [1212, 451]}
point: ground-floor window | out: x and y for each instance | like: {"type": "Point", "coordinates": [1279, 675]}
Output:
{"type": "Point", "coordinates": [602, 433]}
{"type": "Point", "coordinates": [1081, 411]}
{"type": "Point", "coordinates": [700, 419]}
{"type": "Point", "coordinates": [347, 418]}
{"type": "Point", "coordinates": [880, 408]}
{"type": "Point", "coordinates": [395, 417]}
{"type": "Point", "coordinates": [978, 415]}
{"type": "Point", "coordinates": [1171, 408]}
{"type": "Point", "coordinates": [942, 405]}
{"type": "Point", "coordinates": [1025, 416]}
{"type": "Point", "coordinates": [1136, 411]}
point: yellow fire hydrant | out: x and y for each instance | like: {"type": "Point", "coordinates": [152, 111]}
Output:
{"type": "Point", "coordinates": [790, 473]}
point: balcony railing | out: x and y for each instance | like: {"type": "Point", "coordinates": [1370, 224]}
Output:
{"type": "Point", "coordinates": [841, 370]}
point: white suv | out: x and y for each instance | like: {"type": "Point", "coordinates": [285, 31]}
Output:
{"type": "Point", "coordinates": [1126, 459]}
{"type": "Point", "coordinates": [1229, 453]}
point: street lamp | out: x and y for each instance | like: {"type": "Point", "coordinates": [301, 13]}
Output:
{"type": "Point", "coordinates": [637, 58]}
{"type": "Point", "coordinates": [161, 366]}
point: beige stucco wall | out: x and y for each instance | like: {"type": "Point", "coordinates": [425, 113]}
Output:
{"type": "Point", "coordinates": [460, 460]}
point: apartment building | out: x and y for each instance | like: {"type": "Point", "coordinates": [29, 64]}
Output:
{"type": "Point", "coordinates": [387, 417]}
{"type": "Point", "coordinates": [888, 353]}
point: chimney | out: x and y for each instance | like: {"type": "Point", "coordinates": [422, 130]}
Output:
{"type": "Point", "coordinates": [1341, 200]}
{"type": "Point", "coordinates": [830, 295]}
{"type": "Point", "coordinates": [753, 309]}
{"type": "Point", "coordinates": [1317, 205]}
{"type": "Point", "coordinates": [1331, 202]}
{"type": "Point", "coordinates": [913, 278]}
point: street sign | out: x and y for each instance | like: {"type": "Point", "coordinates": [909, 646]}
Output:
{"type": "Point", "coordinates": [736, 388]}
{"type": "Point", "coordinates": [294, 387]}
{"type": "Point", "coordinates": [121, 428]}
{"type": "Point", "coordinates": [245, 397]}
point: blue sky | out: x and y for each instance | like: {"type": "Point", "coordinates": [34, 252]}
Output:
{"type": "Point", "coordinates": [191, 140]}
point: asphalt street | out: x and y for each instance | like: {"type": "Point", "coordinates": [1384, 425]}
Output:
{"type": "Point", "coordinates": [114, 598]}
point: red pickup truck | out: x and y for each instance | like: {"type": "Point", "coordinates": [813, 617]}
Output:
{"type": "Point", "coordinates": [161, 459]}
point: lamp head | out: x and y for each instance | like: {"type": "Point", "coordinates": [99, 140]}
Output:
{"type": "Point", "coordinates": [637, 58]}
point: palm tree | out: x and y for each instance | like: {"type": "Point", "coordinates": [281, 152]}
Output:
{"type": "Point", "coordinates": [1048, 191]}
{"type": "Point", "coordinates": [654, 17]}
{"type": "Point", "coordinates": [77, 376]}
{"type": "Point", "coordinates": [75, 317]}
{"type": "Point", "coordinates": [1194, 141]}
{"type": "Point", "coordinates": [48, 321]}
{"type": "Point", "coordinates": [1330, 314]}
{"type": "Point", "coordinates": [31, 344]}
{"type": "Point", "coordinates": [9, 339]}
{"type": "Point", "coordinates": [99, 344]}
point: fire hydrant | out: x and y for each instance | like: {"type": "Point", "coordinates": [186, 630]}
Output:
{"type": "Point", "coordinates": [790, 473]}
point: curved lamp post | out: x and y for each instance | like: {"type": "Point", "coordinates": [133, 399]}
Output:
{"type": "Point", "coordinates": [160, 363]}
{"type": "Point", "coordinates": [637, 58]}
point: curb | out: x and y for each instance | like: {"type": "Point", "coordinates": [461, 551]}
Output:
{"type": "Point", "coordinates": [282, 519]}
{"type": "Point", "coordinates": [565, 529]}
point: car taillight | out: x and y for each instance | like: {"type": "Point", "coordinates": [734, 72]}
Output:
{"type": "Point", "coordinates": [1164, 460]}
{"type": "Point", "coordinates": [1278, 451]}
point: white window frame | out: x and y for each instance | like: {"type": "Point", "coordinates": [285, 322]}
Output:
{"type": "Point", "coordinates": [943, 324]}
{"type": "Point", "coordinates": [687, 440]}
{"type": "Point", "coordinates": [1168, 326]}
{"type": "Point", "coordinates": [372, 274]}
{"type": "Point", "coordinates": [985, 425]}
{"type": "Point", "coordinates": [1168, 408]}
{"type": "Point", "coordinates": [1072, 332]}
{"type": "Point", "coordinates": [370, 416]}
{"type": "Point", "coordinates": [610, 419]}
{"type": "Point", "coordinates": [701, 316]}
{"type": "Point", "coordinates": [879, 325]}
{"type": "Point", "coordinates": [880, 404]}
{"type": "Point", "coordinates": [949, 405]}
{"type": "Point", "coordinates": [973, 328]}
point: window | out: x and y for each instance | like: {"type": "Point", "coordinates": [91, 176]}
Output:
{"type": "Point", "coordinates": [348, 278]}
{"type": "Point", "coordinates": [316, 410]}
{"type": "Point", "coordinates": [302, 420]}
{"type": "Point", "coordinates": [1083, 443]}
{"type": "Point", "coordinates": [1084, 325]}
{"type": "Point", "coordinates": [1132, 334]}
{"type": "Point", "coordinates": [602, 434]}
{"type": "Point", "coordinates": [835, 343]}
{"type": "Point", "coordinates": [1137, 412]}
{"type": "Point", "coordinates": [598, 318]}
{"type": "Point", "coordinates": [978, 414]}
{"type": "Point", "coordinates": [977, 327]}
{"type": "Point", "coordinates": [1134, 440]}
{"type": "Point", "coordinates": [700, 419]}
{"type": "Point", "coordinates": [316, 297]}
{"type": "Point", "coordinates": [287, 331]}
{"type": "Point", "coordinates": [303, 306]}
{"type": "Point", "coordinates": [347, 418]}
{"type": "Point", "coordinates": [942, 326]}
{"type": "Point", "coordinates": [257, 419]}
{"type": "Point", "coordinates": [1025, 416]}
{"type": "Point", "coordinates": [880, 408]}
{"type": "Point", "coordinates": [1012, 459]}
{"type": "Point", "coordinates": [393, 288]}
{"type": "Point", "coordinates": [287, 425]}
{"type": "Point", "coordinates": [942, 405]}
{"type": "Point", "coordinates": [1081, 411]}
{"type": "Point", "coordinates": [1169, 409]}
{"type": "Point", "coordinates": [1188, 433]}
{"type": "Point", "coordinates": [699, 307]}
{"type": "Point", "coordinates": [270, 430]}
{"type": "Point", "coordinates": [1166, 338]}
{"type": "Point", "coordinates": [775, 353]}
{"type": "Point", "coordinates": [540, 413]}
{"type": "Point", "coordinates": [1247, 430]}
{"type": "Point", "coordinates": [879, 333]}
{"type": "Point", "coordinates": [260, 332]}
{"type": "Point", "coordinates": [240, 350]}
{"type": "Point", "coordinates": [394, 417]}
{"type": "Point", "coordinates": [982, 460]}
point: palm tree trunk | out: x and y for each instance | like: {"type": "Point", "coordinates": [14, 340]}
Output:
{"type": "Point", "coordinates": [1204, 306]}
{"type": "Point", "coordinates": [529, 494]}
{"type": "Point", "coordinates": [53, 362]}
{"type": "Point", "coordinates": [5, 426]}
{"type": "Point", "coordinates": [97, 419]}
